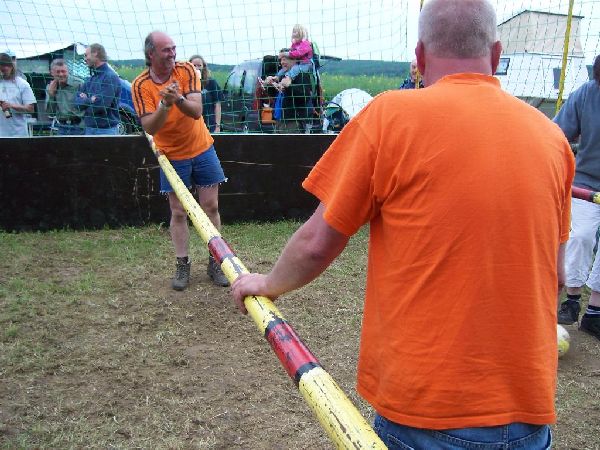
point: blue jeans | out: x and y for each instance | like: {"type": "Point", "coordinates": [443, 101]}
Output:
{"type": "Point", "coordinates": [295, 70]}
{"type": "Point", "coordinates": [96, 131]}
{"type": "Point", "coordinates": [66, 130]}
{"type": "Point", "coordinates": [520, 436]}
{"type": "Point", "coordinates": [202, 170]}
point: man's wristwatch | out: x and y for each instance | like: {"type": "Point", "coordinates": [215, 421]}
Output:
{"type": "Point", "coordinates": [180, 100]}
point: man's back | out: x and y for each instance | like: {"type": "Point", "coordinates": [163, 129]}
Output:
{"type": "Point", "coordinates": [460, 183]}
{"type": "Point", "coordinates": [467, 193]}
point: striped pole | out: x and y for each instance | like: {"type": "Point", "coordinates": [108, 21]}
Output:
{"type": "Point", "coordinates": [336, 413]}
{"type": "Point", "coordinates": [563, 67]}
{"type": "Point", "coordinates": [585, 194]}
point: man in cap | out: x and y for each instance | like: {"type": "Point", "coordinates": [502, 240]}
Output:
{"type": "Point", "coordinates": [16, 99]}
{"type": "Point", "coordinates": [18, 71]}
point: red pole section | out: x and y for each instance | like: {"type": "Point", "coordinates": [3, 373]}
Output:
{"type": "Point", "coordinates": [586, 194]}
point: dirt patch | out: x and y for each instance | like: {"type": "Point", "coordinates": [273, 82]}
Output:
{"type": "Point", "coordinates": [122, 361]}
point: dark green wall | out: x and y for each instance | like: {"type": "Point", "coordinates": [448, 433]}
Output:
{"type": "Point", "coordinates": [92, 182]}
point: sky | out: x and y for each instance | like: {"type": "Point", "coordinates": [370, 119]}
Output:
{"type": "Point", "coordinates": [230, 31]}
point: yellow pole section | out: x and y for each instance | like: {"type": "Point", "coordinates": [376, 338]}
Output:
{"type": "Point", "coordinates": [346, 427]}
{"type": "Point", "coordinates": [563, 69]}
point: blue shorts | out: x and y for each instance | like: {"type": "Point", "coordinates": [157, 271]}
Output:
{"type": "Point", "coordinates": [202, 170]}
{"type": "Point", "coordinates": [512, 436]}
{"type": "Point", "coordinates": [99, 131]}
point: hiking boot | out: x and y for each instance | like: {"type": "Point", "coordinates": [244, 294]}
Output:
{"type": "Point", "coordinates": [215, 273]}
{"type": "Point", "coordinates": [591, 325]}
{"type": "Point", "coordinates": [568, 313]}
{"type": "Point", "coordinates": [182, 275]}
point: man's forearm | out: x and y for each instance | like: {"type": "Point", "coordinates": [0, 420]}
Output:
{"type": "Point", "coordinates": [155, 121]}
{"type": "Point", "coordinates": [307, 254]}
{"type": "Point", "coordinates": [17, 107]}
{"type": "Point", "coordinates": [190, 107]}
{"type": "Point", "coordinates": [560, 267]}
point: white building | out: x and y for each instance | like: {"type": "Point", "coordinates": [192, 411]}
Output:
{"type": "Point", "coordinates": [531, 59]}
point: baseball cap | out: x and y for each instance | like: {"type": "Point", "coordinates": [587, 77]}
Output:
{"type": "Point", "coordinates": [6, 59]}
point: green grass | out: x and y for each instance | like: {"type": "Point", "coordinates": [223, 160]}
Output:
{"type": "Point", "coordinates": [332, 84]}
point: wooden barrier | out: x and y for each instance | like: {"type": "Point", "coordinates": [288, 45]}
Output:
{"type": "Point", "coordinates": [95, 181]}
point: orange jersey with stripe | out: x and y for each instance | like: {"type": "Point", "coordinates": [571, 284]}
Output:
{"type": "Point", "coordinates": [181, 136]}
{"type": "Point", "coordinates": [467, 193]}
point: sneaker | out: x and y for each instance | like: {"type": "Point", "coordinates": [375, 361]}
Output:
{"type": "Point", "coordinates": [215, 273]}
{"type": "Point", "coordinates": [568, 313]}
{"type": "Point", "coordinates": [591, 325]}
{"type": "Point", "coordinates": [182, 276]}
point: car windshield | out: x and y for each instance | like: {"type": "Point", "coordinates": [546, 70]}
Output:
{"type": "Point", "coordinates": [250, 81]}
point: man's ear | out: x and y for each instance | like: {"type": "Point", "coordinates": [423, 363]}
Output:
{"type": "Point", "coordinates": [496, 52]}
{"type": "Point", "coordinates": [420, 54]}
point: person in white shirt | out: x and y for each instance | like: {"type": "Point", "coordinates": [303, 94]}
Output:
{"type": "Point", "coordinates": [16, 100]}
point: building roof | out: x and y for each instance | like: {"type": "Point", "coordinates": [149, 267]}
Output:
{"type": "Point", "coordinates": [539, 12]}
{"type": "Point", "coordinates": [539, 32]}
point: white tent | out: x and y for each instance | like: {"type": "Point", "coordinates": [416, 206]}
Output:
{"type": "Point", "coordinates": [350, 101]}
{"type": "Point", "coordinates": [24, 49]}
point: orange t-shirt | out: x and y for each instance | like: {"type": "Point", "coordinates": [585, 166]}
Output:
{"type": "Point", "coordinates": [467, 192]}
{"type": "Point", "coordinates": [181, 136]}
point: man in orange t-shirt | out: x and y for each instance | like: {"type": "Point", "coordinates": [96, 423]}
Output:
{"type": "Point", "coordinates": [167, 97]}
{"type": "Point", "coordinates": [467, 191]}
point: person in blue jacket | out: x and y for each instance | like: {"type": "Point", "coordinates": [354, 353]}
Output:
{"type": "Point", "coordinates": [99, 95]}
{"type": "Point", "coordinates": [411, 81]}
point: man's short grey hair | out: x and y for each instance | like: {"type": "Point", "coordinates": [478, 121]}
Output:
{"type": "Point", "coordinates": [99, 50]}
{"type": "Point", "coordinates": [58, 62]}
{"type": "Point", "coordinates": [149, 47]}
{"type": "Point", "coordinates": [458, 28]}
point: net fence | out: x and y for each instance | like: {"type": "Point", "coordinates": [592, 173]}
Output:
{"type": "Point", "coordinates": [360, 48]}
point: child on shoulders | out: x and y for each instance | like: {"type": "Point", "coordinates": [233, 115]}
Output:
{"type": "Point", "coordinates": [300, 51]}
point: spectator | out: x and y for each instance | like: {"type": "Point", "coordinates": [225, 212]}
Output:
{"type": "Point", "coordinates": [293, 104]}
{"type": "Point", "coordinates": [460, 309]}
{"type": "Point", "coordinates": [60, 99]}
{"type": "Point", "coordinates": [99, 96]}
{"type": "Point", "coordinates": [212, 96]}
{"type": "Point", "coordinates": [580, 118]}
{"type": "Point", "coordinates": [168, 101]}
{"type": "Point", "coordinates": [411, 81]}
{"type": "Point", "coordinates": [16, 99]}
{"type": "Point", "coordinates": [18, 71]}
{"type": "Point", "coordinates": [300, 54]}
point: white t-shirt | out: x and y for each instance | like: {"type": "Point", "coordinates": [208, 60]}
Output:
{"type": "Point", "coordinates": [15, 91]}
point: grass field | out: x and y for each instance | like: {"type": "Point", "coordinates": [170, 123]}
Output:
{"type": "Point", "coordinates": [96, 350]}
{"type": "Point", "coordinates": [332, 84]}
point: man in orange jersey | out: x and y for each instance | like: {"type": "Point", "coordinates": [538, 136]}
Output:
{"type": "Point", "coordinates": [168, 99]}
{"type": "Point", "coordinates": [466, 191]}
